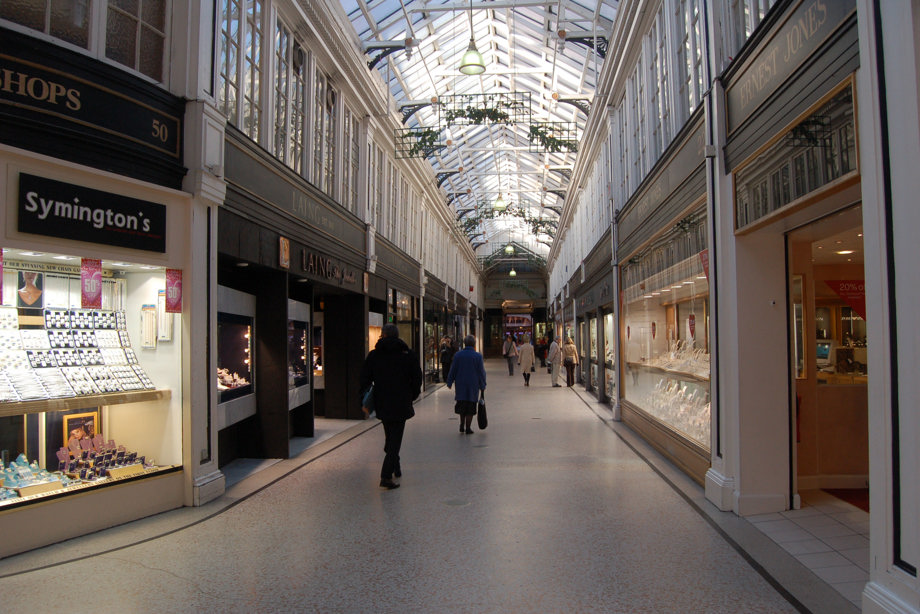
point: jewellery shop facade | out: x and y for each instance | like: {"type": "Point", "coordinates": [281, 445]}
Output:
{"type": "Point", "coordinates": [102, 259]}
{"type": "Point", "coordinates": [296, 309]}
{"type": "Point", "coordinates": [664, 310]}
{"type": "Point", "coordinates": [594, 322]}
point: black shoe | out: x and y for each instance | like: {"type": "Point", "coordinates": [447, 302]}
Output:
{"type": "Point", "coordinates": [469, 431]}
{"type": "Point", "coordinates": [557, 385]}
{"type": "Point", "coordinates": [461, 425]}
{"type": "Point", "coordinates": [388, 484]}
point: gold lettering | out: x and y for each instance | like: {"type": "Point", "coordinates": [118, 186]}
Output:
{"type": "Point", "coordinates": [36, 88]}
{"type": "Point", "coordinates": [73, 100]}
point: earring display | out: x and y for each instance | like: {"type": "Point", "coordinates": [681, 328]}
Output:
{"type": "Point", "coordinates": [9, 318]}
{"type": "Point", "coordinates": [57, 318]}
{"type": "Point", "coordinates": [68, 358]}
{"type": "Point", "coordinates": [61, 339]}
{"type": "Point", "coordinates": [81, 319]}
{"type": "Point", "coordinates": [41, 358]}
{"type": "Point", "coordinates": [35, 339]}
{"type": "Point", "coordinates": [108, 339]}
{"type": "Point", "coordinates": [80, 380]}
{"type": "Point", "coordinates": [90, 357]}
{"type": "Point", "coordinates": [10, 341]}
{"type": "Point", "coordinates": [84, 339]}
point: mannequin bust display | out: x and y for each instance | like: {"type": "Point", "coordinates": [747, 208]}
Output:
{"type": "Point", "coordinates": [29, 292]}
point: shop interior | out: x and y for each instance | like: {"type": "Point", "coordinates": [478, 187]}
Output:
{"type": "Point", "coordinates": [90, 375]}
{"type": "Point", "coordinates": [829, 356]}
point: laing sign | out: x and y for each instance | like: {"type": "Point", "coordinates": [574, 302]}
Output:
{"type": "Point", "coordinates": [56, 209]}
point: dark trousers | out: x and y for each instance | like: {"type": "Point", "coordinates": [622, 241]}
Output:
{"type": "Point", "coordinates": [569, 373]}
{"type": "Point", "coordinates": [526, 379]}
{"type": "Point", "coordinates": [393, 432]}
{"type": "Point", "coordinates": [510, 360]}
{"type": "Point", "coordinates": [445, 369]}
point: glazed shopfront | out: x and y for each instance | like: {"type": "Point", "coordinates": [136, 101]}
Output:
{"type": "Point", "coordinates": [104, 301]}
{"type": "Point", "coordinates": [664, 324]}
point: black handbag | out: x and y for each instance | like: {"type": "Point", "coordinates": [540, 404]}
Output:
{"type": "Point", "coordinates": [481, 418]}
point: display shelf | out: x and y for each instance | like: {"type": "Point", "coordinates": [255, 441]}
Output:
{"type": "Point", "coordinates": [54, 490]}
{"type": "Point", "coordinates": [671, 372]}
{"type": "Point", "coordinates": [17, 408]}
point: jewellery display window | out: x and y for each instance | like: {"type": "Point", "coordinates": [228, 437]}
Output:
{"type": "Point", "coordinates": [81, 407]}
{"type": "Point", "coordinates": [665, 331]}
{"type": "Point", "coordinates": [609, 356]}
{"type": "Point", "coordinates": [234, 356]}
{"type": "Point", "coordinates": [298, 343]}
{"type": "Point", "coordinates": [317, 358]}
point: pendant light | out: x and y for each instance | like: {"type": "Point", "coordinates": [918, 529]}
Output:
{"type": "Point", "coordinates": [472, 63]}
{"type": "Point", "coordinates": [509, 249]}
{"type": "Point", "coordinates": [513, 273]}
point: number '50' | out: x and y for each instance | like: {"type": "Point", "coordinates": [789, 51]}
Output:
{"type": "Point", "coordinates": [160, 131]}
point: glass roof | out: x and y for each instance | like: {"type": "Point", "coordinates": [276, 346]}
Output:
{"type": "Point", "coordinates": [512, 130]}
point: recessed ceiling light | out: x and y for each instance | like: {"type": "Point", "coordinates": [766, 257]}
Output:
{"type": "Point", "coordinates": [858, 234]}
{"type": "Point", "coordinates": [242, 264]}
{"type": "Point", "coordinates": [676, 287]}
{"type": "Point", "coordinates": [63, 257]}
{"type": "Point", "coordinates": [150, 268]}
{"type": "Point", "coordinates": [689, 283]}
{"type": "Point", "coordinates": [820, 247]}
{"type": "Point", "coordinates": [122, 264]}
{"type": "Point", "coordinates": [838, 242]}
{"type": "Point", "coordinates": [31, 254]}
{"type": "Point", "coordinates": [844, 252]}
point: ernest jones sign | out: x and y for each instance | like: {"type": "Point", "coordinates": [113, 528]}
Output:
{"type": "Point", "coordinates": [56, 209]}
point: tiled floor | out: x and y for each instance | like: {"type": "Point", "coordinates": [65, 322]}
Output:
{"type": "Point", "coordinates": [829, 536]}
{"type": "Point", "coordinates": [553, 508]}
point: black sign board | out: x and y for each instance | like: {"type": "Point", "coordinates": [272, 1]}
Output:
{"type": "Point", "coordinates": [56, 209]}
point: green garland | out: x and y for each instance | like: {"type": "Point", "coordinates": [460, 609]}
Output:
{"type": "Point", "coordinates": [425, 140]}
{"type": "Point", "coordinates": [549, 142]}
{"type": "Point", "coordinates": [537, 225]}
{"type": "Point", "coordinates": [477, 116]}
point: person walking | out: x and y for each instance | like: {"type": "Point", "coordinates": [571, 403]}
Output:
{"type": "Point", "coordinates": [394, 371]}
{"type": "Point", "coordinates": [554, 357]}
{"type": "Point", "coordinates": [569, 359]}
{"type": "Point", "coordinates": [526, 359]}
{"type": "Point", "coordinates": [509, 351]}
{"type": "Point", "coordinates": [469, 372]}
{"type": "Point", "coordinates": [447, 355]}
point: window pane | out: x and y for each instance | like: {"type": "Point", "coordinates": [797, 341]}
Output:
{"type": "Point", "coordinates": [128, 6]}
{"type": "Point", "coordinates": [121, 38]}
{"type": "Point", "coordinates": [70, 21]}
{"type": "Point", "coordinates": [151, 60]}
{"type": "Point", "coordinates": [26, 13]}
{"type": "Point", "coordinates": [153, 13]}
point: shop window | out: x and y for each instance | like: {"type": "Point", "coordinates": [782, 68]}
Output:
{"type": "Point", "coordinates": [234, 356]}
{"type": "Point", "coordinates": [609, 356]}
{"type": "Point", "coordinates": [665, 330]}
{"type": "Point", "coordinates": [90, 375]}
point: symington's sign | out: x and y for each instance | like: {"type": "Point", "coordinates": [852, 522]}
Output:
{"type": "Point", "coordinates": [56, 209]}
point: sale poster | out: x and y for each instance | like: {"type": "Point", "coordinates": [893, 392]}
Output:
{"type": "Point", "coordinates": [91, 283]}
{"type": "Point", "coordinates": [173, 291]}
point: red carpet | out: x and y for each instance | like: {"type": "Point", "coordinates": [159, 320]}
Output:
{"type": "Point", "coordinates": [854, 496]}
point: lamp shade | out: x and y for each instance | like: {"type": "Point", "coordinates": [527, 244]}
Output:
{"type": "Point", "coordinates": [499, 203]}
{"type": "Point", "coordinates": [513, 273]}
{"type": "Point", "coordinates": [509, 249]}
{"type": "Point", "coordinates": [472, 63]}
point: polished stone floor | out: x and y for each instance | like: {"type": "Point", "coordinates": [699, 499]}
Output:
{"type": "Point", "coordinates": [553, 508]}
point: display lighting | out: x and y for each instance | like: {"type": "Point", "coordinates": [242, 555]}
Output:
{"type": "Point", "coordinates": [513, 273]}
{"type": "Point", "coordinates": [845, 252]}
{"type": "Point", "coordinates": [472, 62]}
{"type": "Point", "coordinates": [509, 249]}
{"type": "Point", "coordinates": [500, 203]}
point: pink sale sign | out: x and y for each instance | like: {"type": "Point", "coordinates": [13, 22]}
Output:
{"type": "Point", "coordinates": [173, 291]}
{"type": "Point", "coordinates": [91, 283]}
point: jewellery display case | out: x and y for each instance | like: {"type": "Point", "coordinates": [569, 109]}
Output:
{"type": "Point", "coordinates": [77, 400]}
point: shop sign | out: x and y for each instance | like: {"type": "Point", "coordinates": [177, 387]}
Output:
{"type": "Point", "coordinates": [284, 252]}
{"type": "Point", "coordinates": [91, 283]}
{"type": "Point", "coordinates": [325, 268]}
{"type": "Point", "coordinates": [52, 92]}
{"type": "Point", "coordinates": [852, 292]}
{"type": "Point", "coordinates": [57, 209]}
{"type": "Point", "coordinates": [173, 291]}
{"type": "Point", "coordinates": [794, 42]}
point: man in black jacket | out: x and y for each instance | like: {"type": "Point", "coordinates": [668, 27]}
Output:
{"type": "Point", "coordinates": [394, 371]}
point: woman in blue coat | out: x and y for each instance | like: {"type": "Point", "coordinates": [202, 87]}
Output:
{"type": "Point", "coordinates": [469, 372]}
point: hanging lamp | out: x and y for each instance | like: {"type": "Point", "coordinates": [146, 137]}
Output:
{"type": "Point", "coordinates": [513, 273]}
{"type": "Point", "coordinates": [472, 62]}
{"type": "Point", "coordinates": [509, 249]}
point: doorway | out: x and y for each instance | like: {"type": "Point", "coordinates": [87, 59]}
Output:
{"type": "Point", "coordinates": [828, 344]}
